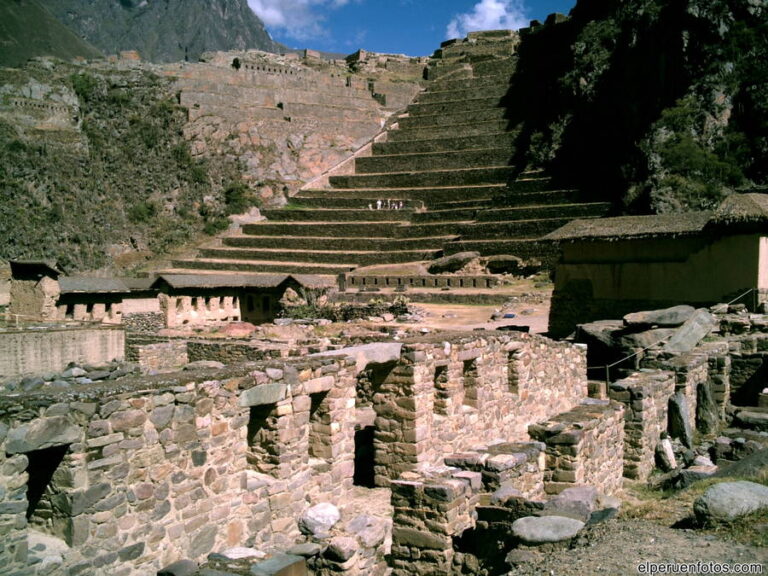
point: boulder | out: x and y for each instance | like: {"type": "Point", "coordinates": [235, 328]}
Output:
{"type": "Point", "coordinates": [694, 474]}
{"type": "Point", "coordinates": [691, 332]}
{"type": "Point", "coordinates": [369, 530]}
{"type": "Point", "coordinates": [280, 564]}
{"type": "Point", "coordinates": [42, 433]}
{"type": "Point", "coordinates": [753, 418]}
{"type": "Point", "coordinates": [679, 425]}
{"type": "Point", "coordinates": [318, 520]}
{"type": "Point", "coordinates": [755, 464]}
{"type": "Point", "coordinates": [665, 455]}
{"type": "Point", "coordinates": [668, 317]}
{"type": "Point", "coordinates": [578, 503]}
{"type": "Point", "coordinates": [645, 339]}
{"type": "Point", "coordinates": [707, 410]}
{"type": "Point", "coordinates": [341, 548]}
{"type": "Point", "coordinates": [505, 264]}
{"type": "Point", "coordinates": [452, 263]}
{"type": "Point", "coordinates": [730, 500]}
{"type": "Point", "coordinates": [535, 530]}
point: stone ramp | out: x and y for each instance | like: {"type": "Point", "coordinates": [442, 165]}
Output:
{"type": "Point", "coordinates": [439, 181]}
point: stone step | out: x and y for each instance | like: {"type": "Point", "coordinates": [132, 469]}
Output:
{"type": "Point", "coordinates": [494, 66]}
{"type": "Point", "coordinates": [359, 257]}
{"type": "Point", "coordinates": [446, 215]}
{"type": "Point", "coordinates": [447, 131]}
{"type": "Point", "coordinates": [475, 204]}
{"type": "Point", "coordinates": [359, 202]}
{"type": "Point", "coordinates": [477, 141]}
{"type": "Point", "coordinates": [525, 248]}
{"type": "Point", "coordinates": [463, 177]}
{"type": "Point", "coordinates": [354, 229]}
{"type": "Point", "coordinates": [526, 183]}
{"type": "Point", "coordinates": [203, 264]}
{"type": "Point", "coordinates": [432, 161]}
{"type": "Point", "coordinates": [502, 47]}
{"type": "Point", "coordinates": [513, 199]}
{"type": "Point", "coordinates": [426, 194]}
{"type": "Point", "coordinates": [453, 118]}
{"type": "Point", "coordinates": [571, 211]}
{"type": "Point", "coordinates": [469, 83]}
{"type": "Point", "coordinates": [457, 106]}
{"type": "Point", "coordinates": [533, 228]}
{"type": "Point", "coordinates": [335, 215]}
{"type": "Point", "coordinates": [470, 92]}
{"type": "Point", "coordinates": [439, 70]}
{"type": "Point", "coordinates": [428, 229]}
{"type": "Point", "coordinates": [383, 244]}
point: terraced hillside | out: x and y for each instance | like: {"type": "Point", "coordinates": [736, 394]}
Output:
{"type": "Point", "coordinates": [439, 181]}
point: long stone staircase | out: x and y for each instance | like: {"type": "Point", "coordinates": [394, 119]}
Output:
{"type": "Point", "coordinates": [438, 177]}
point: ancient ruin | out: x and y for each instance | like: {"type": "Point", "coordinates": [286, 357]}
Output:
{"type": "Point", "coordinates": [275, 405]}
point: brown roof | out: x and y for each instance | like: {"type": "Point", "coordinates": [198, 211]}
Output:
{"type": "Point", "coordinates": [742, 208]}
{"type": "Point", "coordinates": [625, 227]}
{"type": "Point", "coordinates": [75, 284]}
{"type": "Point", "coordinates": [209, 281]}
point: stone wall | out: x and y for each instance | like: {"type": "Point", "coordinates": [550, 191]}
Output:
{"type": "Point", "coordinates": [36, 352]}
{"type": "Point", "coordinates": [152, 470]}
{"type": "Point", "coordinates": [645, 396]}
{"type": "Point", "coordinates": [429, 513]}
{"type": "Point", "coordinates": [162, 357]}
{"type": "Point", "coordinates": [199, 310]}
{"type": "Point", "coordinates": [446, 396]}
{"type": "Point", "coordinates": [584, 446]}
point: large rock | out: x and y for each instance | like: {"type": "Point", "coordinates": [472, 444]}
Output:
{"type": "Point", "coordinates": [578, 503]}
{"type": "Point", "coordinates": [753, 418]}
{"type": "Point", "coordinates": [753, 465]}
{"type": "Point", "coordinates": [452, 263]}
{"type": "Point", "coordinates": [318, 520]}
{"type": "Point", "coordinates": [179, 568]}
{"type": "Point", "coordinates": [707, 410]}
{"type": "Point", "coordinates": [645, 339]}
{"type": "Point", "coordinates": [505, 264]}
{"type": "Point", "coordinates": [730, 500]}
{"type": "Point", "coordinates": [691, 333]}
{"type": "Point", "coordinates": [373, 353]}
{"type": "Point", "coordinates": [679, 425]}
{"type": "Point", "coordinates": [665, 455]}
{"type": "Point", "coordinates": [669, 317]}
{"type": "Point", "coordinates": [42, 433]}
{"type": "Point", "coordinates": [544, 529]}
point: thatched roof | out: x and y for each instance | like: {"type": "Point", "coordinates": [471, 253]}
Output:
{"type": "Point", "coordinates": [625, 227]}
{"type": "Point", "coordinates": [26, 269]}
{"type": "Point", "coordinates": [79, 285]}
{"type": "Point", "coordinates": [742, 209]}
{"type": "Point", "coordinates": [737, 213]}
{"type": "Point", "coordinates": [213, 281]}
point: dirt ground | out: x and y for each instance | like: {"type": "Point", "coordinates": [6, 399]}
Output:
{"type": "Point", "coordinates": [471, 316]}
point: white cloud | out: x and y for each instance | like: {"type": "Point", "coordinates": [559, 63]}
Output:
{"type": "Point", "coordinates": [299, 19]}
{"type": "Point", "coordinates": [489, 15]}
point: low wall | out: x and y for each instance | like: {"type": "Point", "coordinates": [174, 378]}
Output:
{"type": "Point", "coordinates": [645, 396]}
{"type": "Point", "coordinates": [36, 352]}
{"type": "Point", "coordinates": [584, 446]}
{"type": "Point", "coordinates": [447, 396]}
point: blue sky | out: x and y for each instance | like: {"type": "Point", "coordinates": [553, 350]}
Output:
{"type": "Point", "coordinates": [413, 27]}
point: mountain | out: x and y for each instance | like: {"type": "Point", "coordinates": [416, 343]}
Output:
{"type": "Point", "coordinates": [165, 30]}
{"type": "Point", "coordinates": [28, 29]}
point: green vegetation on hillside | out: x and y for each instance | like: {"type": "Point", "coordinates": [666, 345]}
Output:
{"type": "Point", "coordinates": [28, 29]}
{"type": "Point", "coordinates": [127, 187]}
{"type": "Point", "coordinates": [652, 104]}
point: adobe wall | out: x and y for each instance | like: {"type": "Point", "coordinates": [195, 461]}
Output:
{"type": "Point", "coordinates": [602, 280]}
{"type": "Point", "coordinates": [446, 396]}
{"type": "Point", "coordinates": [36, 352]}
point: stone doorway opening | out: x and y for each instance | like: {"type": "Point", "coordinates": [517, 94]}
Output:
{"type": "Point", "coordinates": [369, 383]}
{"type": "Point", "coordinates": [49, 505]}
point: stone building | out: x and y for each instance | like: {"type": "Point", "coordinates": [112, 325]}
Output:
{"type": "Point", "coordinates": [613, 266]}
{"type": "Point", "coordinates": [91, 299]}
{"type": "Point", "coordinates": [199, 299]}
{"type": "Point", "coordinates": [34, 291]}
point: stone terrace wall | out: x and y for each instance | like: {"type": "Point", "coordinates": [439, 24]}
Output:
{"type": "Point", "coordinates": [447, 396]}
{"type": "Point", "coordinates": [35, 352]}
{"type": "Point", "coordinates": [158, 469]}
{"type": "Point", "coordinates": [584, 446]}
{"type": "Point", "coordinates": [645, 396]}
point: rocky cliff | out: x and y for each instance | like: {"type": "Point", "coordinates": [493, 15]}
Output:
{"type": "Point", "coordinates": [652, 104]}
{"type": "Point", "coordinates": [167, 30]}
